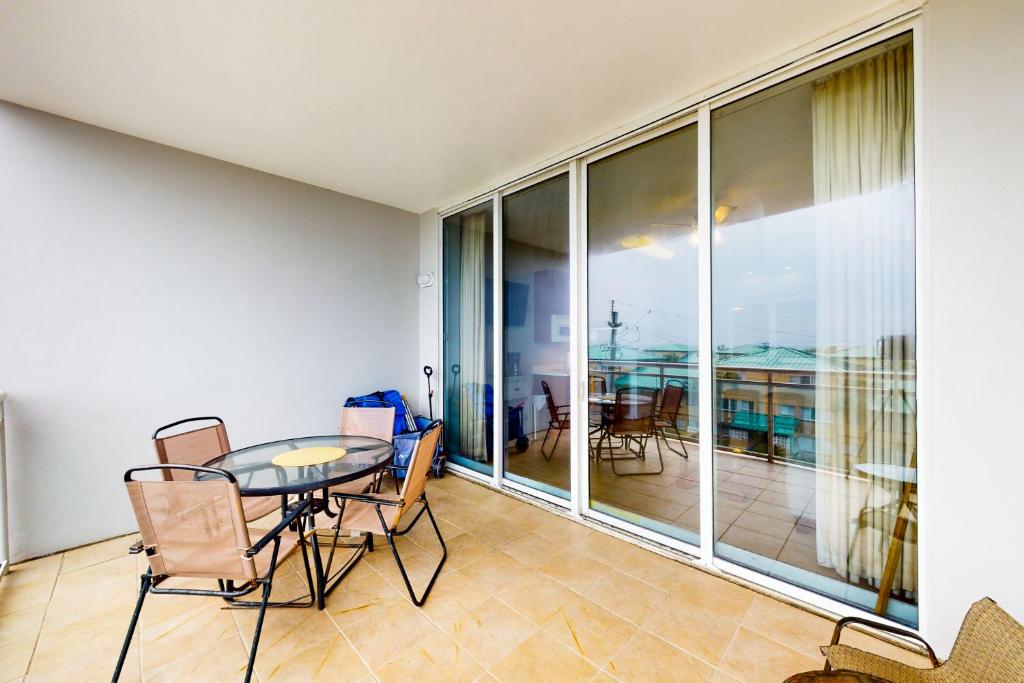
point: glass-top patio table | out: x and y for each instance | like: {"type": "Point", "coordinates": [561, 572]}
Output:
{"type": "Point", "coordinates": [319, 463]}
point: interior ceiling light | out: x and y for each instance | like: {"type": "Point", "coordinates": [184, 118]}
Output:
{"type": "Point", "coordinates": [645, 244]}
{"type": "Point", "coordinates": [722, 212]}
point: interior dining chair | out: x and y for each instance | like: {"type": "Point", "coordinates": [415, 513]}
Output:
{"type": "Point", "coordinates": [198, 447]}
{"type": "Point", "coordinates": [379, 513]}
{"type": "Point", "coordinates": [632, 423]}
{"type": "Point", "coordinates": [196, 529]}
{"type": "Point", "coordinates": [666, 420]}
{"type": "Point", "coordinates": [558, 419]}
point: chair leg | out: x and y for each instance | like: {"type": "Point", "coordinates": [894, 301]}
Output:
{"type": "Point", "coordinates": [544, 441]}
{"type": "Point", "coordinates": [267, 585]}
{"type": "Point", "coordinates": [555, 446]}
{"type": "Point", "coordinates": [664, 434]}
{"type": "Point", "coordinates": [143, 590]}
{"type": "Point", "coordinates": [641, 456]}
{"type": "Point", "coordinates": [398, 559]}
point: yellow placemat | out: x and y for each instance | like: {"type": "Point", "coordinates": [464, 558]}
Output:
{"type": "Point", "coordinates": [308, 456]}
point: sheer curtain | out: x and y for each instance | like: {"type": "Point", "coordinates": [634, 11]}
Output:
{"type": "Point", "coordinates": [473, 295]}
{"type": "Point", "coordinates": [864, 237]}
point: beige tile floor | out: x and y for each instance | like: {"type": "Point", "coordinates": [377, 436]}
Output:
{"type": "Point", "coordinates": [765, 508]}
{"type": "Point", "coordinates": [526, 595]}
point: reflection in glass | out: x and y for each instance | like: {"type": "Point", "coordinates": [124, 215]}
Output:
{"type": "Point", "coordinates": [535, 225]}
{"type": "Point", "coordinates": [642, 341]}
{"type": "Point", "coordinates": [814, 329]}
{"type": "Point", "coordinates": [469, 338]}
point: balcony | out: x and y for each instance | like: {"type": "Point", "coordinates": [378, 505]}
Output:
{"type": "Point", "coordinates": [526, 595]}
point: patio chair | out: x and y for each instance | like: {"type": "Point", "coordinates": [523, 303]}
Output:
{"type": "Point", "coordinates": [558, 419]}
{"type": "Point", "coordinates": [632, 423]}
{"type": "Point", "coordinates": [198, 447]}
{"type": "Point", "coordinates": [196, 529]}
{"type": "Point", "coordinates": [378, 423]}
{"type": "Point", "coordinates": [668, 415]}
{"type": "Point", "coordinates": [989, 647]}
{"type": "Point", "coordinates": [379, 513]}
{"type": "Point", "coordinates": [596, 385]}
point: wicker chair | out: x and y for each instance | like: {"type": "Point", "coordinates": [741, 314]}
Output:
{"type": "Point", "coordinates": [989, 647]}
{"type": "Point", "coordinates": [198, 447]}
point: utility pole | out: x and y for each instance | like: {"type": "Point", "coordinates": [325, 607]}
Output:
{"type": "Point", "coordinates": [615, 325]}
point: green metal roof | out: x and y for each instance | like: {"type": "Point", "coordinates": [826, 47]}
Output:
{"type": "Point", "coordinates": [784, 425]}
{"type": "Point", "coordinates": [779, 358]}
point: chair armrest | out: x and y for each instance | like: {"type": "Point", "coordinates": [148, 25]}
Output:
{"type": "Point", "coordinates": [846, 621]}
{"type": "Point", "coordinates": [373, 499]}
{"type": "Point", "coordinates": [136, 548]}
{"type": "Point", "coordinates": [285, 522]}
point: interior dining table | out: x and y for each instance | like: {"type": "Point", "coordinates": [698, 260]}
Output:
{"type": "Point", "coordinates": [297, 469]}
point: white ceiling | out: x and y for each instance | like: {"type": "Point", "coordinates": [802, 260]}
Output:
{"type": "Point", "coordinates": [411, 104]}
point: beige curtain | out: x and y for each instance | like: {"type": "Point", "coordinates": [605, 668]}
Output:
{"type": "Point", "coordinates": [472, 340]}
{"type": "Point", "coordinates": [864, 226]}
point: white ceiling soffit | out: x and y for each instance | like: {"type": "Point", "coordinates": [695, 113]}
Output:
{"type": "Point", "coordinates": [411, 104]}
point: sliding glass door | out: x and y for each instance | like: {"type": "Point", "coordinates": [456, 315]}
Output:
{"type": "Point", "coordinates": [814, 331]}
{"type": "Point", "coordinates": [535, 336]}
{"type": "Point", "coordinates": [794, 300]}
{"type": "Point", "coordinates": [468, 329]}
{"type": "Point", "coordinates": [642, 336]}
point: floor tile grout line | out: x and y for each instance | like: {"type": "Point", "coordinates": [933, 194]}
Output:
{"type": "Point", "coordinates": [640, 626]}
{"type": "Point", "coordinates": [433, 623]}
{"type": "Point", "coordinates": [46, 610]}
{"type": "Point", "coordinates": [352, 645]}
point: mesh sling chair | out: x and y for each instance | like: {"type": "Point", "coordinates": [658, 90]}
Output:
{"type": "Point", "coordinates": [558, 419]}
{"type": "Point", "coordinates": [989, 647]}
{"type": "Point", "coordinates": [372, 513]}
{"type": "Point", "coordinates": [596, 414]}
{"type": "Point", "coordinates": [200, 446]}
{"type": "Point", "coordinates": [666, 420]}
{"type": "Point", "coordinates": [632, 422]}
{"type": "Point", "coordinates": [375, 422]}
{"type": "Point", "coordinates": [196, 529]}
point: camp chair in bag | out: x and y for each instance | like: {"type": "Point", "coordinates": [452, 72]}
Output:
{"type": "Point", "coordinates": [196, 529]}
{"type": "Point", "coordinates": [198, 447]}
{"type": "Point", "coordinates": [379, 513]}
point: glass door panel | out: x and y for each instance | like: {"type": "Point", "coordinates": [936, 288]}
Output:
{"type": "Point", "coordinates": [642, 341]}
{"type": "Point", "coordinates": [535, 227]}
{"type": "Point", "coordinates": [814, 331]}
{"type": "Point", "coordinates": [468, 259]}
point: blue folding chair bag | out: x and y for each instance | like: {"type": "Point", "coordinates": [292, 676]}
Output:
{"type": "Point", "coordinates": [405, 445]}
{"type": "Point", "coordinates": [389, 397]}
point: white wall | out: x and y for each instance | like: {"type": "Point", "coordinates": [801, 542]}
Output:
{"type": "Point", "coordinates": [140, 285]}
{"type": "Point", "coordinates": [974, 151]}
